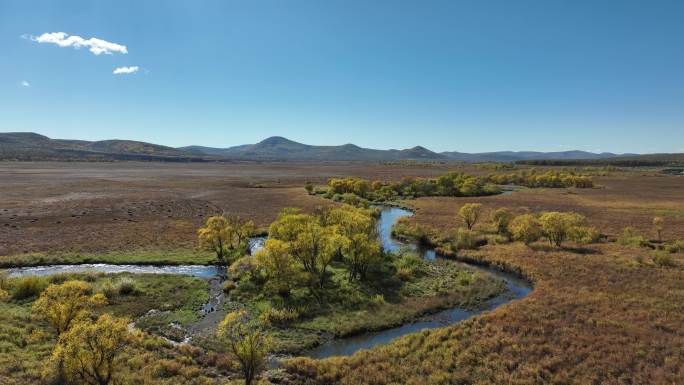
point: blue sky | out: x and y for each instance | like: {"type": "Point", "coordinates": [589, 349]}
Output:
{"type": "Point", "coordinates": [449, 75]}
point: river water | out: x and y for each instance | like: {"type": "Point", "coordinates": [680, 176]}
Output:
{"type": "Point", "coordinates": [516, 288]}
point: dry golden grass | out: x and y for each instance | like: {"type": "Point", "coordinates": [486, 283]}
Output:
{"type": "Point", "coordinates": [603, 314]}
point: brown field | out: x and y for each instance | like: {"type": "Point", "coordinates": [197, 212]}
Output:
{"type": "Point", "coordinates": [97, 207]}
{"type": "Point", "coordinates": [603, 314]}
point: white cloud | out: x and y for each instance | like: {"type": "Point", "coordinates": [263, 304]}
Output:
{"type": "Point", "coordinates": [95, 45]}
{"type": "Point", "coordinates": [125, 70]}
{"type": "Point", "coordinates": [24, 83]}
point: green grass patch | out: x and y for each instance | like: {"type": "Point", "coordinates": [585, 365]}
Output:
{"type": "Point", "coordinates": [141, 257]}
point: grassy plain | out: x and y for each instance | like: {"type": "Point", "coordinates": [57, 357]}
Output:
{"type": "Point", "coordinates": [599, 314]}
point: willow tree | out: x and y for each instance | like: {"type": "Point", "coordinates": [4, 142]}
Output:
{"type": "Point", "coordinates": [470, 213]}
{"type": "Point", "coordinates": [309, 242]}
{"type": "Point", "coordinates": [358, 241]}
{"type": "Point", "coordinates": [226, 237]}
{"type": "Point", "coordinates": [558, 226]}
{"type": "Point", "coordinates": [88, 351]}
{"type": "Point", "coordinates": [525, 228]}
{"type": "Point", "coordinates": [280, 267]}
{"type": "Point", "coordinates": [501, 218]}
{"type": "Point", "coordinates": [247, 341]}
{"type": "Point", "coordinates": [63, 304]}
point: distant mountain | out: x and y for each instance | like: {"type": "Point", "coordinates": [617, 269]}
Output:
{"type": "Point", "coordinates": [512, 156]}
{"type": "Point", "coordinates": [32, 146]}
{"type": "Point", "coordinates": [279, 148]}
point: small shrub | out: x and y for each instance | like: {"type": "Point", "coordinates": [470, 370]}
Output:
{"type": "Point", "coordinates": [465, 279]}
{"type": "Point", "coordinates": [501, 218]}
{"type": "Point", "coordinates": [283, 316]}
{"type": "Point", "coordinates": [464, 239]}
{"type": "Point", "coordinates": [663, 260]}
{"type": "Point", "coordinates": [630, 237]}
{"type": "Point", "coordinates": [585, 234]}
{"type": "Point", "coordinates": [676, 247]}
{"type": "Point", "coordinates": [309, 187]}
{"type": "Point", "coordinates": [243, 269]}
{"type": "Point", "coordinates": [28, 287]}
{"type": "Point", "coordinates": [377, 300]}
{"type": "Point", "coordinates": [228, 286]}
{"type": "Point", "coordinates": [408, 265]}
{"type": "Point", "coordinates": [127, 286]}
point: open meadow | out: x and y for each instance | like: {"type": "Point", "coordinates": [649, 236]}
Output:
{"type": "Point", "coordinates": [605, 310]}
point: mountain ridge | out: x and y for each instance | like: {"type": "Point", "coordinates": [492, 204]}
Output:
{"type": "Point", "coordinates": [33, 146]}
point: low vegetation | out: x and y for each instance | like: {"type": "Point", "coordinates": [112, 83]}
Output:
{"type": "Point", "coordinates": [326, 274]}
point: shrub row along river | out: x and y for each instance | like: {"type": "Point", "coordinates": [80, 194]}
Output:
{"type": "Point", "coordinates": [516, 288]}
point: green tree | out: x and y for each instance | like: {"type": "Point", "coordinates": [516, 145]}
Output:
{"type": "Point", "coordinates": [87, 353]}
{"type": "Point", "coordinates": [525, 228]}
{"type": "Point", "coordinates": [558, 226]}
{"type": "Point", "coordinates": [470, 213]}
{"type": "Point", "coordinates": [62, 304]}
{"type": "Point", "coordinates": [247, 342]}
{"type": "Point", "coordinates": [501, 218]}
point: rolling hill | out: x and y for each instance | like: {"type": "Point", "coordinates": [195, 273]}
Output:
{"type": "Point", "coordinates": [32, 146]}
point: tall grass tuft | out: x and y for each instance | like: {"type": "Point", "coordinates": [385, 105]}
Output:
{"type": "Point", "coordinates": [28, 287]}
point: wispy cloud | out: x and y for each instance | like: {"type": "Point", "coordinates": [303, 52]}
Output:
{"type": "Point", "coordinates": [125, 70]}
{"type": "Point", "coordinates": [24, 83]}
{"type": "Point", "coordinates": [95, 45]}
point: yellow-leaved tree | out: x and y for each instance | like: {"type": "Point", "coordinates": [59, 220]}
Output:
{"type": "Point", "coordinates": [525, 228]}
{"type": "Point", "coordinates": [358, 239]}
{"type": "Point", "coordinates": [247, 341]}
{"type": "Point", "coordinates": [470, 213]}
{"type": "Point", "coordinates": [227, 237]}
{"type": "Point", "coordinates": [87, 353]}
{"type": "Point", "coordinates": [309, 242]}
{"type": "Point", "coordinates": [559, 226]}
{"type": "Point", "coordinates": [61, 304]}
{"type": "Point", "coordinates": [280, 267]}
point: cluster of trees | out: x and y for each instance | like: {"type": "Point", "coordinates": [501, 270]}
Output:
{"type": "Point", "coordinates": [88, 346]}
{"type": "Point", "coordinates": [228, 237]}
{"type": "Point", "coordinates": [301, 247]}
{"type": "Point", "coordinates": [556, 227]}
{"type": "Point", "coordinates": [533, 179]}
{"type": "Point", "coordinates": [452, 184]}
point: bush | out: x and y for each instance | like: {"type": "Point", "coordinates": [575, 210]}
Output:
{"type": "Point", "coordinates": [676, 247]}
{"type": "Point", "coordinates": [279, 316]}
{"type": "Point", "coordinates": [28, 287]}
{"type": "Point", "coordinates": [464, 239]}
{"type": "Point", "coordinates": [501, 218]}
{"type": "Point", "coordinates": [559, 226]}
{"type": "Point", "coordinates": [408, 265]}
{"type": "Point", "coordinates": [127, 286]}
{"type": "Point", "coordinates": [630, 237]}
{"type": "Point", "coordinates": [525, 228]}
{"type": "Point", "coordinates": [585, 234]}
{"type": "Point", "coordinates": [664, 260]}
{"type": "Point", "coordinates": [377, 300]}
{"type": "Point", "coordinates": [228, 286]}
{"type": "Point", "coordinates": [244, 268]}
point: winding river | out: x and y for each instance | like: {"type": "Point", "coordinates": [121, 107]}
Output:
{"type": "Point", "coordinates": [516, 288]}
